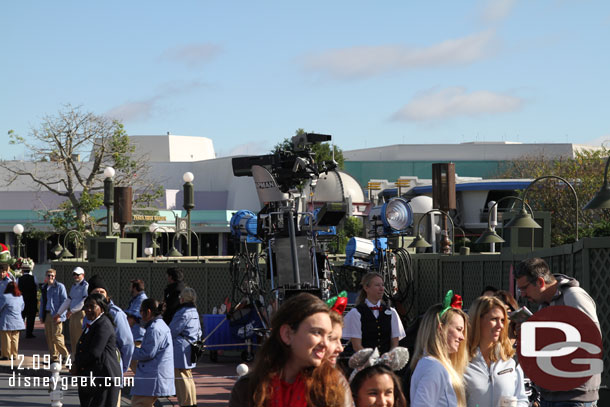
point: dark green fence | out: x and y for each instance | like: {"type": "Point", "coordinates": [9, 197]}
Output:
{"type": "Point", "coordinates": [588, 260]}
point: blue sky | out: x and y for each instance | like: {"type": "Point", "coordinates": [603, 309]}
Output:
{"type": "Point", "coordinates": [248, 74]}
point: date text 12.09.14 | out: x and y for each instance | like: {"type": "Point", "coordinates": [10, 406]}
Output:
{"type": "Point", "coordinates": [37, 362]}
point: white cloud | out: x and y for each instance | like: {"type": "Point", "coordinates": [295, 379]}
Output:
{"type": "Point", "coordinates": [132, 111]}
{"type": "Point", "coordinates": [194, 55]}
{"type": "Point", "coordinates": [143, 109]}
{"type": "Point", "coordinates": [497, 10]}
{"type": "Point", "coordinates": [366, 61]}
{"type": "Point", "coordinates": [455, 101]}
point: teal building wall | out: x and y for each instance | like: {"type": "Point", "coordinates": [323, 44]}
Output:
{"type": "Point", "coordinates": [364, 171]}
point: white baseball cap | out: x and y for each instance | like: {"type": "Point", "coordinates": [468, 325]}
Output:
{"type": "Point", "coordinates": [78, 270]}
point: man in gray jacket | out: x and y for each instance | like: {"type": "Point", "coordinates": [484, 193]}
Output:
{"type": "Point", "coordinates": [536, 283]}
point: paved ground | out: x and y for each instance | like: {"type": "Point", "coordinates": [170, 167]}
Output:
{"type": "Point", "coordinates": [213, 380]}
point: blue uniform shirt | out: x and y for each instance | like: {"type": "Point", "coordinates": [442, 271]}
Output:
{"type": "Point", "coordinates": [56, 295]}
{"type": "Point", "coordinates": [4, 282]}
{"type": "Point", "coordinates": [78, 293]}
{"type": "Point", "coordinates": [155, 371]}
{"type": "Point", "coordinates": [185, 327]}
{"type": "Point", "coordinates": [133, 310]}
{"type": "Point", "coordinates": [10, 313]}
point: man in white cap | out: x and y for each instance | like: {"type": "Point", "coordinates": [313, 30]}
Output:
{"type": "Point", "coordinates": [74, 305]}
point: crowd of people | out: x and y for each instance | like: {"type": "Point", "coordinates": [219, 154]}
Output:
{"type": "Point", "coordinates": [150, 337]}
{"type": "Point", "coordinates": [459, 359]}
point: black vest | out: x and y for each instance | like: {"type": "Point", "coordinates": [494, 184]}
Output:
{"type": "Point", "coordinates": [376, 332]}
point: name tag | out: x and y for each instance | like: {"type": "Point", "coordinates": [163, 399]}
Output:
{"type": "Point", "coordinates": [510, 369]}
{"type": "Point", "coordinates": [388, 312]}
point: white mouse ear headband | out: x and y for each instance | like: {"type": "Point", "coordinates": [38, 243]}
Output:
{"type": "Point", "coordinates": [395, 359]}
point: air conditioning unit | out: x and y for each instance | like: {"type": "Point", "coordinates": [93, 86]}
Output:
{"type": "Point", "coordinates": [111, 249]}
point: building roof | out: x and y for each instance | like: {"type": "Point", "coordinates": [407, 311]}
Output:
{"type": "Point", "coordinates": [471, 151]}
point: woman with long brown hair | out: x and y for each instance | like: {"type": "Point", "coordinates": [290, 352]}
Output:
{"type": "Point", "coordinates": [282, 371]}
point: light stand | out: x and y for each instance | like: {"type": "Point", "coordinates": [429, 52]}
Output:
{"type": "Point", "coordinates": [18, 231]}
{"type": "Point", "coordinates": [108, 197]}
{"type": "Point", "coordinates": [420, 242]}
{"type": "Point", "coordinates": [188, 205]}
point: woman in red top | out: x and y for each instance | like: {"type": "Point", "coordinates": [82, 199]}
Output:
{"type": "Point", "coordinates": [282, 371]}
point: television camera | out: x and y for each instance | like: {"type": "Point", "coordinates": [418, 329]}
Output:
{"type": "Point", "coordinates": [287, 230]}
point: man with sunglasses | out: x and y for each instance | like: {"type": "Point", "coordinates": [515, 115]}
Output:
{"type": "Point", "coordinates": [537, 284]}
{"type": "Point", "coordinates": [53, 296]}
{"type": "Point", "coordinates": [74, 305]}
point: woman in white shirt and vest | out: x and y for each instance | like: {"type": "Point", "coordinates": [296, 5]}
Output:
{"type": "Point", "coordinates": [372, 324]}
{"type": "Point", "coordinates": [492, 373]}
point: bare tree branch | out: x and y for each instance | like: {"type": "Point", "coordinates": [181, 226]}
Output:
{"type": "Point", "coordinates": [54, 147]}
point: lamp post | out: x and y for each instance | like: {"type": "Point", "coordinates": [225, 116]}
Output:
{"type": "Point", "coordinates": [65, 252]}
{"type": "Point", "coordinates": [490, 236]}
{"type": "Point", "coordinates": [526, 221]}
{"type": "Point", "coordinates": [189, 204]}
{"type": "Point", "coordinates": [108, 197]}
{"type": "Point", "coordinates": [57, 249]}
{"type": "Point", "coordinates": [420, 241]}
{"type": "Point", "coordinates": [153, 228]}
{"type": "Point", "coordinates": [18, 231]}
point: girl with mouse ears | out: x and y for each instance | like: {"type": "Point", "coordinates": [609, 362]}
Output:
{"type": "Point", "coordinates": [373, 381]}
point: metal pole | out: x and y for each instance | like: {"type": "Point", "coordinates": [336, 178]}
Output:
{"type": "Point", "coordinates": [293, 248]}
{"type": "Point", "coordinates": [493, 221]}
{"type": "Point", "coordinates": [19, 246]}
{"type": "Point", "coordinates": [108, 202]}
{"type": "Point", "coordinates": [188, 239]}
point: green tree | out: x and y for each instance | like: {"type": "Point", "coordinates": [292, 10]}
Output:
{"type": "Point", "coordinates": [322, 151]}
{"type": "Point", "coordinates": [55, 149]}
{"type": "Point", "coordinates": [350, 227]}
{"type": "Point", "coordinates": [584, 172]}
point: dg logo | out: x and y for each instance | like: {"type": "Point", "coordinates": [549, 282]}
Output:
{"type": "Point", "coordinates": [560, 348]}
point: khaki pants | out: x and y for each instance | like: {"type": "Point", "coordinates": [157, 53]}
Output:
{"type": "Point", "coordinates": [185, 387]}
{"type": "Point", "coordinates": [9, 343]}
{"type": "Point", "coordinates": [55, 338]}
{"type": "Point", "coordinates": [143, 401]}
{"type": "Point", "coordinates": [134, 363]}
{"type": "Point", "coordinates": [76, 329]}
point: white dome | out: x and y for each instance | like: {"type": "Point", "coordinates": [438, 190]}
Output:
{"type": "Point", "coordinates": [421, 204]}
{"type": "Point", "coordinates": [335, 186]}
